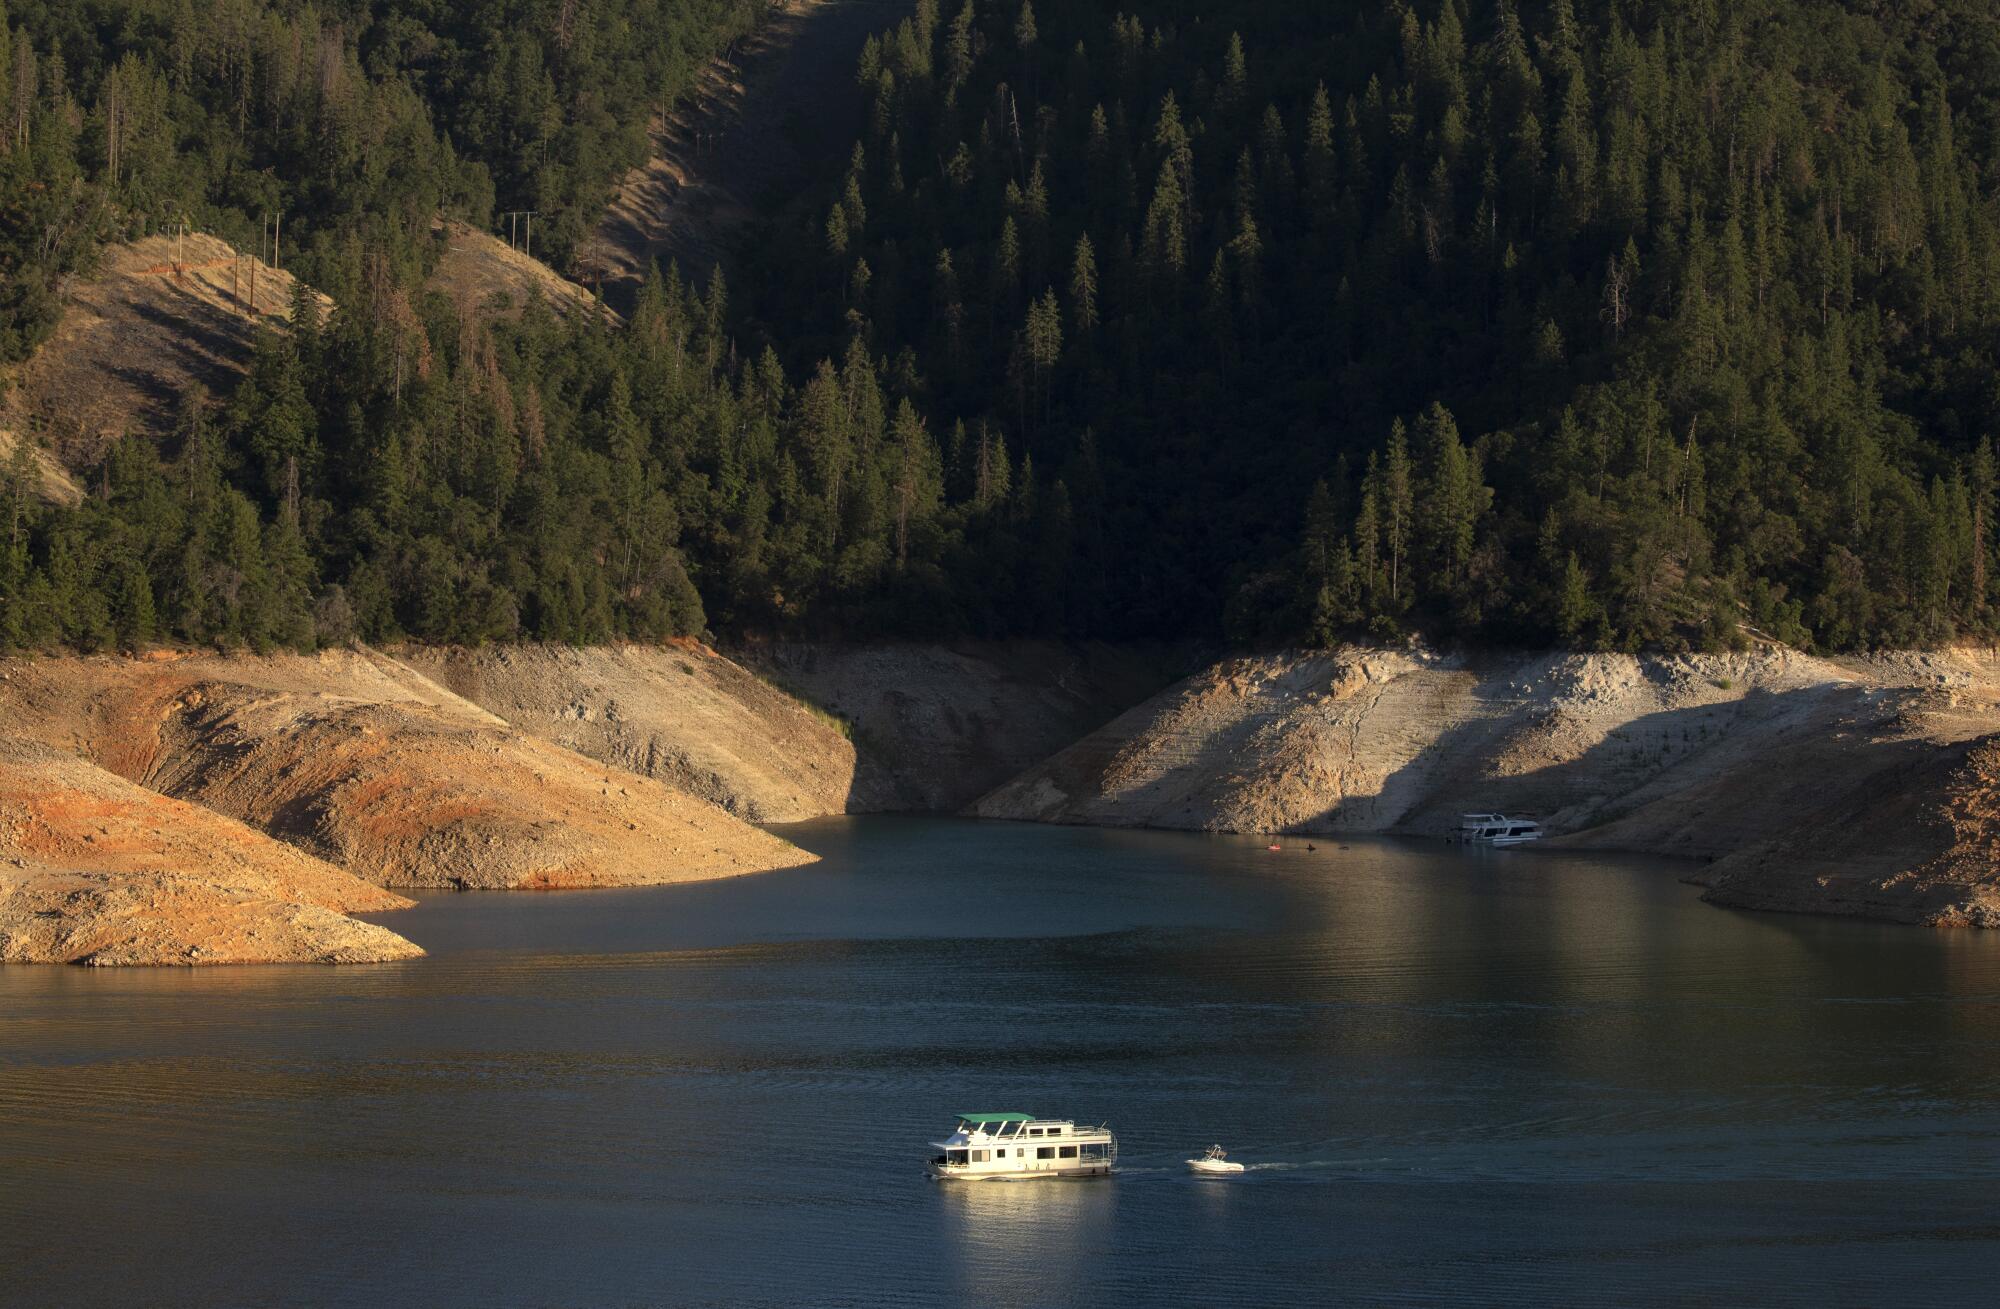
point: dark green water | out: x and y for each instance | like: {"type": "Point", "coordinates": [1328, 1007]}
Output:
{"type": "Point", "coordinates": [1509, 1077]}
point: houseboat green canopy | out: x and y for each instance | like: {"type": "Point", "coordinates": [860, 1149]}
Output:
{"type": "Point", "coordinates": [996, 1118]}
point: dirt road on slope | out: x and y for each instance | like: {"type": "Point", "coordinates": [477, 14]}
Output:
{"type": "Point", "coordinates": [761, 122]}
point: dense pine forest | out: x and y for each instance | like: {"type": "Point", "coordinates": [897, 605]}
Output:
{"type": "Point", "coordinates": [1594, 322]}
{"type": "Point", "coordinates": [1611, 323]}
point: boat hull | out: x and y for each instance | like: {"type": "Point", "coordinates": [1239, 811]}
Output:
{"type": "Point", "coordinates": [943, 1174]}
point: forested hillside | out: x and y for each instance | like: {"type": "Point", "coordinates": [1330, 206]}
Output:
{"type": "Point", "coordinates": [361, 480]}
{"type": "Point", "coordinates": [1613, 323]}
{"type": "Point", "coordinates": [354, 125]}
{"type": "Point", "coordinates": [1608, 323]}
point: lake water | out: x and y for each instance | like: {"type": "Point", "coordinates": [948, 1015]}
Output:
{"type": "Point", "coordinates": [1459, 1076]}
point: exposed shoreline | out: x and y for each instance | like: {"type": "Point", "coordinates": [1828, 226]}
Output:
{"type": "Point", "coordinates": [1740, 759]}
{"type": "Point", "coordinates": [1865, 786]}
{"type": "Point", "coordinates": [349, 762]}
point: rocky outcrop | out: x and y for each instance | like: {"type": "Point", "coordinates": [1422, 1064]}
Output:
{"type": "Point", "coordinates": [936, 726]}
{"type": "Point", "coordinates": [362, 761]}
{"type": "Point", "coordinates": [680, 714]}
{"type": "Point", "coordinates": [1762, 760]}
{"type": "Point", "coordinates": [97, 870]}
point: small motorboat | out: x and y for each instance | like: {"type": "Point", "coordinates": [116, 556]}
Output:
{"type": "Point", "coordinates": [1215, 1161]}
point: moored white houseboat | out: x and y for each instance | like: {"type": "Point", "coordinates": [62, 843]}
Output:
{"type": "Point", "coordinates": [1498, 829]}
{"type": "Point", "coordinates": [992, 1145]}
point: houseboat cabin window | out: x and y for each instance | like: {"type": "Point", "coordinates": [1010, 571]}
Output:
{"type": "Point", "coordinates": [1045, 1152]}
{"type": "Point", "coordinates": [1069, 1152]}
{"type": "Point", "coordinates": [979, 1156]}
{"type": "Point", "coordinates": [954, 1156]}
{"type": "Point", "coordinates": [1095, 1151]}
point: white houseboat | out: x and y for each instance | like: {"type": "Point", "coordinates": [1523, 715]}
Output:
{"type": "Point", "coordinates": [1498, 829]}
{"type": "Point", "coordinates": [990, 1145]}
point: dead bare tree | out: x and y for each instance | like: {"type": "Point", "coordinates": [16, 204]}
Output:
{"type": "Point", "coordinates": [114, 123]}
{"type": "Point", "coordinates": [1617, 309]}
{"type": "Point", "coordinates": [25, 71]}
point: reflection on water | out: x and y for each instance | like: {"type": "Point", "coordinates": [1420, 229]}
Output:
{"type": "Point", "coordinates": [1009, 1243]}
{"type": "Point", "coordinates": [1456, 1076]}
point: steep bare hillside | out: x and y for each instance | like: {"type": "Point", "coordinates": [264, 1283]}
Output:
{"type": "Point", "coordinates": [94, 869]}
{"type": "Point", "coordinates": [680, 713]}
{"type": "Point", "coordinates": [1692, 755]}
{"type": "Point", "coordinates": [158, 315]}
{"type": "Point", "coordinates": [1915, 841]}
{"type": "Point", "coordinates": [491, 276]}
{"type": "Point", "coordinates": [936, 726]}
{"type": "Point", "coordinates": [363, 761]}
{"type": "Point", "coordinates": [51, 479]}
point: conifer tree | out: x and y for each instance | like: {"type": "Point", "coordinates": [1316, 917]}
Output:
{"type": "Point", "coordinates": [1083, 287]}
{"type": "Point", "coordinates": [958, 46]}
{"type": "Point", "coordinates": [1397, 494]}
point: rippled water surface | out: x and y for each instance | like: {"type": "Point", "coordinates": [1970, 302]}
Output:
{"type": "Point", "coordinates": [1458, 1077]}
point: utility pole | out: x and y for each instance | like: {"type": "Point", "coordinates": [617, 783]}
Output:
{"type": "Point", "coordinates": [113, 125]}
{"type": "Point", "coordinates": [521, 230]}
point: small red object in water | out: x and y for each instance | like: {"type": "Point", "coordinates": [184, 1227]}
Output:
{"type": "Point", "coordinates": [1274, 847]}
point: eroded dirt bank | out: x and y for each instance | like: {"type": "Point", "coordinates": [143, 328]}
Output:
{"type": "Point", "coordinates": [1915, 841]}
{"type": "Point", "coordinates": [681, 714]}
{"type": "Point", "coordinates": [1761, 756]}
{"type": "Point", "coordinates": [97, 870]}
{"type": "Point", "coordinates": [936, 726]}
{"type": "Point", "coordinates": [361, 760]}
{"type": "Point", "coordinates": [788, 732]}
{"type": "Point", "coordinates": [1863, 786]}
{"type": "Point", "coordinates": [514, 767]}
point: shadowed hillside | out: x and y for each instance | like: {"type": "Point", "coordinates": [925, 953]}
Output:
{"type": "Point", "coordinates": [762, 120]}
